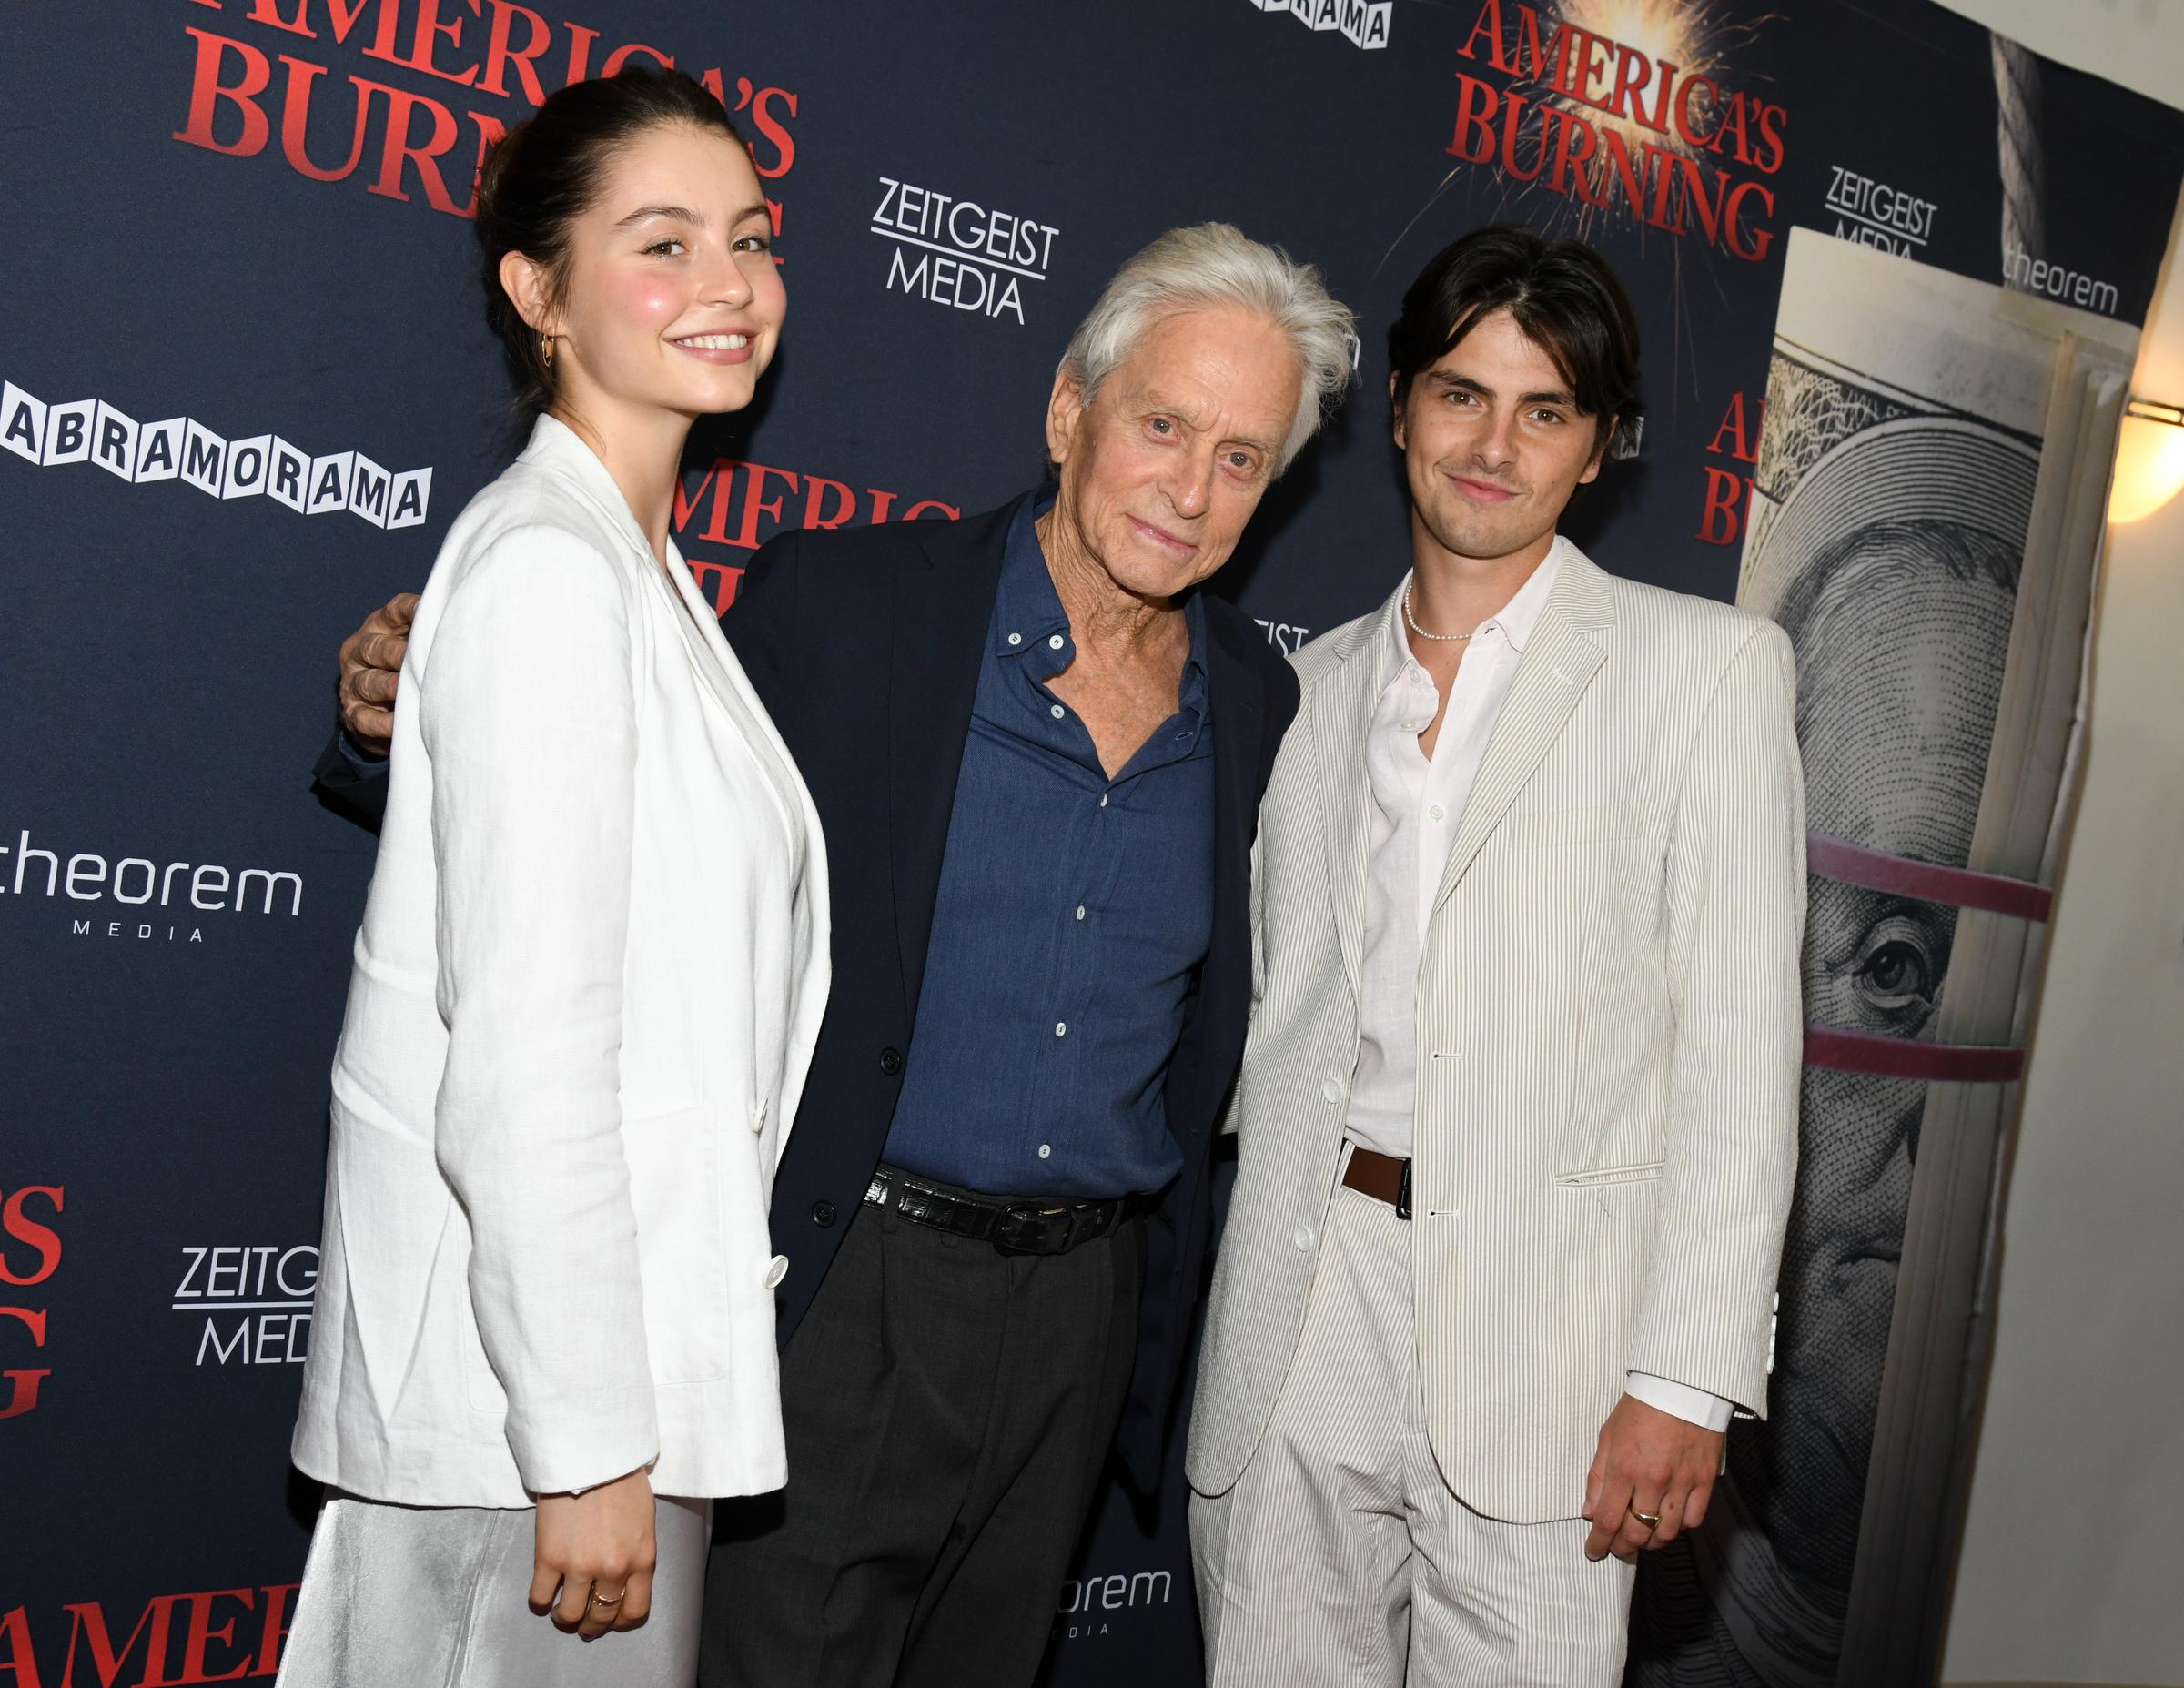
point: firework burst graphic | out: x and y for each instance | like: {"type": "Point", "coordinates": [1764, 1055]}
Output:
{"type": "Point", "coordinates": [1662, 54]}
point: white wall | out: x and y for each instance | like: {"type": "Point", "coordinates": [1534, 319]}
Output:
{"type": "Point", "coordinates": [2073, 1564]}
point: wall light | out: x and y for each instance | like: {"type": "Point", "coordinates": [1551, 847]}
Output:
{"type": "Point", "coordinates": [2150, 459]}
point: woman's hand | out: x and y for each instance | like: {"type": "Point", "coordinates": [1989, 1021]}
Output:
{"type": "Point", "coordinates": [595, 1557]}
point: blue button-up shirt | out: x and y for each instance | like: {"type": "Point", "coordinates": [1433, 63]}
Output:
{"type": "Point", "coordinates": [1073, 911]}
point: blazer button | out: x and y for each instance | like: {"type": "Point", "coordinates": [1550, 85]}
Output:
{"type": "Point", "coordinates": [822, 1213]}
{"type": "Point", "coordinates": [890, 1062]}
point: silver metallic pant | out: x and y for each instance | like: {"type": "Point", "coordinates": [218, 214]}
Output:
{"type": "Point", "coordinates": [437, 1597]}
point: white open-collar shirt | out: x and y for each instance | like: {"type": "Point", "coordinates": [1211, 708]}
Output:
{"type": "Point", "coordinates": [1417, 804]}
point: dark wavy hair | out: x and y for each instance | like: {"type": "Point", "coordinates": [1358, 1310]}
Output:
{"type": "Point", "coordinates": [546, 172]}
{"type": "Point", "coordinates": [1564, 297]}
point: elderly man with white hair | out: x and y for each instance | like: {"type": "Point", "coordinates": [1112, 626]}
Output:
{"type": "Point", "coordinates": [1038, 751]}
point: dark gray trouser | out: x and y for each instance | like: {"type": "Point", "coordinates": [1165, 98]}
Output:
{"type": "Point", "coordinates": [948, 1411]}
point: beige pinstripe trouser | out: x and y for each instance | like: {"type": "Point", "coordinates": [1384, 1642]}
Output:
{"type": "Point", "coordinates": [1341, 1557]}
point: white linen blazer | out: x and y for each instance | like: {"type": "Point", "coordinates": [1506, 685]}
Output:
{"type": "Point", "coordinates": [1609, 1039]}
{"type": "Point", "coordinates": [586, 987]}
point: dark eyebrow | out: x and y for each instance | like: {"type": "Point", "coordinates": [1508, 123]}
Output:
{"type": "Point", "coordinates": [682, 213]}
{"type": "Point", "coordinates": [679, 212]}
{"type": "Point", "coordinates": [1441, 378]}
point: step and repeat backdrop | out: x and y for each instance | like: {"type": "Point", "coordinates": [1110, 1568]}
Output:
{"type": "Point", "coordinates": [247, 385]}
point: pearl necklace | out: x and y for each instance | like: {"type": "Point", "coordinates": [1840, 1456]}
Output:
{"type": "Point", "coordinates": [1421, 632]}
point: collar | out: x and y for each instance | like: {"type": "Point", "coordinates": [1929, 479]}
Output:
{"type": "Point", "coordinates": [1028, 616]}
{"type": "Point", "coordinates": [1027, 611]}
{"type": "Point", "coordinates": [1518, 619]}
{"type": "Point", "coordinates": [555, 446]}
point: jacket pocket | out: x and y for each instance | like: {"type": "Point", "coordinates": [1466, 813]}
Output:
{"type": "Point", "coordinates": [678, 1172]}
{"type": "Point", "coordinates": [1635, 1173]}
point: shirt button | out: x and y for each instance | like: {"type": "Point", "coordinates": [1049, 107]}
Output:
{"type": "Point", "coordinates": [777, 1269]}
{"type": "Point", "coordinates": [1057, 712]}
{"type": "Point", "coordinates": [1016, 639]}
{"type": "Point", "coordinates": [1055, 643]}
{"type": "Point", "coordinates": [1303, 1238]}
{"type": "Point", "coordinates": [1435, 811]}
{"type": "Point", "coordinates": [1332, 1089]}
{"type": "Point", "coordinates": [1045, 1150]}
{"type": "Point", "coordinates": [1061, 1028]}
{"type": "Point", "coordinates": [822, 1213]}
{"type": "Point", "coordinates": [1103, 800]}
{"type": "Point", "coordinates": [890, 1062]}
{"type": "Point", "coordinates": [1080, 911]}
{"type": "Point", "coordinates": [758, 1116]}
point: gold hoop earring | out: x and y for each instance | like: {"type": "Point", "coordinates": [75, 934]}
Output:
{"type": "Point", "coordinates": [546, 349]}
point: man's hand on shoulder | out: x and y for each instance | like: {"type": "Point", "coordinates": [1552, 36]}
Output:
{"type": "Point", "coordinates": [1653, 1462]}
{"type": "Point", "coordinates": [371, 664]}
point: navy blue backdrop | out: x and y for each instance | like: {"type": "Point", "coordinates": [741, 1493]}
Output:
{"type": "Point", "coordinates": [248, 385]}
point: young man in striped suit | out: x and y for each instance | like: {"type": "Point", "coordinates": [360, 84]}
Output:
{"type": "Point", "coordinates": [1518, 1110]}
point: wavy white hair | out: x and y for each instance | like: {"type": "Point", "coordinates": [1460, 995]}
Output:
{"type": "Point", "coordinates": [1216, 264]}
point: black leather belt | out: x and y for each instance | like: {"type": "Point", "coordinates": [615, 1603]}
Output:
{"type": "Point", "coordinates": [1011, 1226]}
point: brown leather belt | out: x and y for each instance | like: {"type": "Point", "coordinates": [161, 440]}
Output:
{"type": "Point", "coordinates": [1382, 1176]}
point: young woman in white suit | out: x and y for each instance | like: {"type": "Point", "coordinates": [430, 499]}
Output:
{"type": "Point", "coordinates": [590, 974]}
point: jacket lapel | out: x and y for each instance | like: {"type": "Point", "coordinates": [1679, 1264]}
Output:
{"type": "Point", "coordinates": [942, 611]}
{"type": "Point", "coordinates": [715, 660]}
{"type": "Point", "coordinates": [1237, 697]}
{"type": "Point", "coordinates": [695, 620]}
{"type": "Point", "coordinates": [1341, 709]}
{"type": "Point", "coordinates": [1565, 652]}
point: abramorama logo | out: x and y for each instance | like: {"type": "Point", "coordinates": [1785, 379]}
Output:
{"type": "Point", "coordinates": [1361, 22]}
{"type": "Point", "coordinates": [91, 430]}
{"type": "Point", "coordinates": [957, 252]}
{"type": "Point", "coordinates": [159, 902]}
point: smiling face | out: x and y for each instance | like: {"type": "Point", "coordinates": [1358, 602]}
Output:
{"type": "Point", "coordinates": [1493, 445]}
{"type": "Point", "coordinates": [1162, 470]}
{"type": "Point", "coordinates": [669, 304]}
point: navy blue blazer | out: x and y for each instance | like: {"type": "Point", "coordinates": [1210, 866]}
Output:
{"type": "Point", "coordinates": [864, 644]}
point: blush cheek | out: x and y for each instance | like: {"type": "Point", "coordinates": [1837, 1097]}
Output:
{"type": "Point", "coordinates": [646, 302]}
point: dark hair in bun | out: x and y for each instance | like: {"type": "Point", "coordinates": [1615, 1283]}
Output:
{"type": "Point", "coordinates": [545, 173]}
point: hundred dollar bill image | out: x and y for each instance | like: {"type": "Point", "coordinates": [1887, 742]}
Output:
{"type": "Point", "coordinates": [1926, 523]}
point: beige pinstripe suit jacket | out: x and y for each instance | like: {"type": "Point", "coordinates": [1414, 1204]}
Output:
{"type": "Point", "coordinates": [1609, 1039]}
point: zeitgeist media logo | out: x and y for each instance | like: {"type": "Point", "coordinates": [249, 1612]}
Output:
{"type": "Point", "coordinates": [91, 430]}
{"type": "Point", "coordinates": [957, 252]}
{"type": "Point", "coordinates": [255, 1300]}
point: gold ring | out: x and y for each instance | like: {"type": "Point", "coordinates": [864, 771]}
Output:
{"type": "Point", "coordinates": [1652, 1520]}
{"type": "Point", "coordinates": [601, 1599]}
